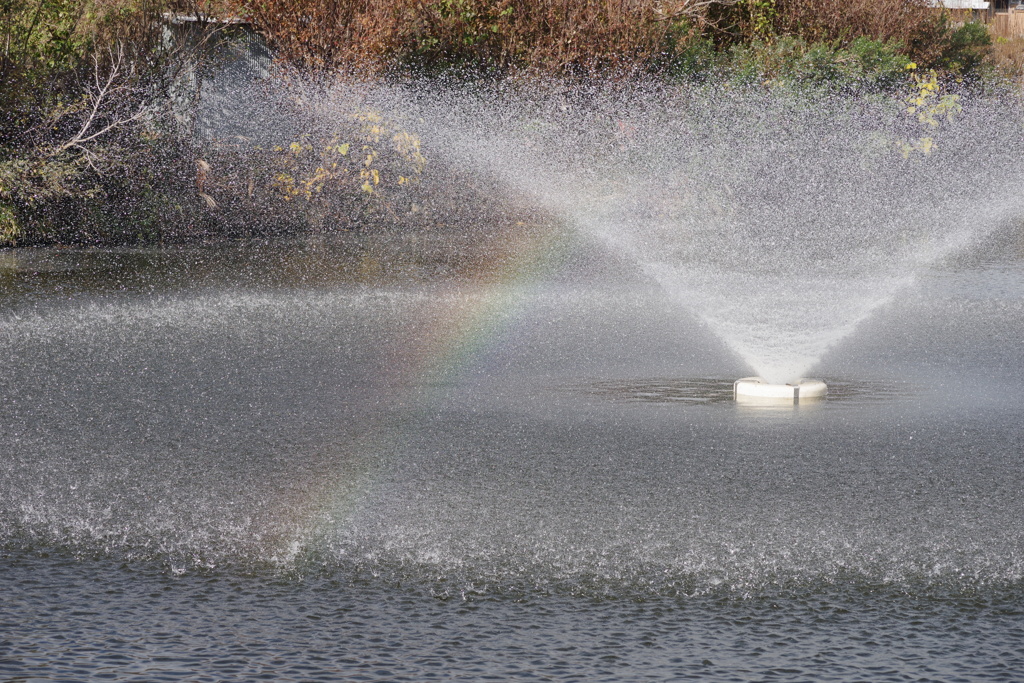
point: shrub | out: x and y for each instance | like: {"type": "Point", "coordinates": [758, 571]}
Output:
{"type": "Point", "coordinates": [688, 54]}
{"type": "Point", "coordinates": [553, 36]}
{"type": "Point", "coordinates": [967, 48]}
{"type": "Point", "coordinates": [10, 228]}
{"type": "Point", "coordinates": [87, 147]}
{"type": "Point", "coordinates": [864, 64]}
{"type": "Point", "coordinates": [910, 23]}
{"type": "Point", "coordinates": [599, 36]}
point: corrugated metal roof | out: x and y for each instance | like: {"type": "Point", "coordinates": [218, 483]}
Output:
{"type": "Point", "coordinates": [960, 4]}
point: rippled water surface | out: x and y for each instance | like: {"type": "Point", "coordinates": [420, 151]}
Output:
{"type": "Point", "coordinates": [349, 462]}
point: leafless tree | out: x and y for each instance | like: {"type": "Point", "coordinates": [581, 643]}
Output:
{"type": "Point", "coordinates": [103, 108]}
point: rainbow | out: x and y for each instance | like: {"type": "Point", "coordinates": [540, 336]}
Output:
{"type": "Point", "coordinates": [480, 314]}
{"type": "Point", "coordinates": [461, 325]}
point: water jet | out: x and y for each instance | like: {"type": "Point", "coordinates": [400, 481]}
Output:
{"type": "Point", "coordinates": [710, 188]}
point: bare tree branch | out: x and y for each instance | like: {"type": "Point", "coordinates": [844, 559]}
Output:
{"type": "Point", "coordinates": [104, 93]}
{"type": "Point", "coordinates": [691, 9]}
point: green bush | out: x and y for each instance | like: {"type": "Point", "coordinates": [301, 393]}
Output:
{"type": "Point", "coordinates": [864, 64]}
{"type": "Point", "coordinates": [10, 228]}
{"type": "Point", "coordinates": [883, 62]}
{"type": "Point", "coordinates": [966, 49]}
{"type": "Point", "coordinates": [686, 52]}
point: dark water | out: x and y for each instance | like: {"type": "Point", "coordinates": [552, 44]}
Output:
{"type": "Point", "coordinates": [360, 461]}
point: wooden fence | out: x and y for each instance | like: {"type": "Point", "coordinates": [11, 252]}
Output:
{"type": "Point", "coordinates": [1006, 24]}
{"type": "Point", "coordinates": [1001, 24]}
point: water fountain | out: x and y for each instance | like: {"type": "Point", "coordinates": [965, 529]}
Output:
{"type": "Point", "coordinates": [781, 220]}
{"type": "Point", "coordinates": [515, 451]}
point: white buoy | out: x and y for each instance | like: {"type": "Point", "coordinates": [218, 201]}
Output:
{"type": "Point", "coordinates": [757, 390]}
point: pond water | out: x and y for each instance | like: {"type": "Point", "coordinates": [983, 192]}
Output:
{"type": "Point", "coordinates": [369, 459]}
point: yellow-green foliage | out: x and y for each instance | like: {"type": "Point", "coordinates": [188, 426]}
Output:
{"type": "Point", "coordinates": [761, 17]}
{"type": "Point", "coordinates": [930, 106]}
{"type": "Point", "coordinates": [10, 228]}
{"type": "Point", "coordinates": [377, 156]}
{"type": "Point", "coordinates": [928, 102]}
{"type": "Point", "coordinates": [40, 39]}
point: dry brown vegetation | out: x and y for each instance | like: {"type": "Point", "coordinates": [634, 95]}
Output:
{"type": "Point", "coordinates": [1008, 56]}
{"type": "Point", "coordinates": [567, 36]}
{"type": "Point", "coordinates": [919, 28]}
{"type": "Point", "coordinates": [87, 137]}
{"type": "Point", "coordinates": [550, 35]}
